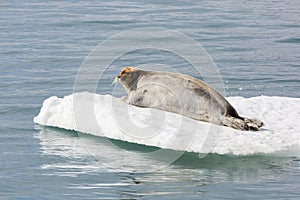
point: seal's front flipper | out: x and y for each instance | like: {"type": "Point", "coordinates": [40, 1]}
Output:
{"type": "Point", "coordinates": [124, 98]}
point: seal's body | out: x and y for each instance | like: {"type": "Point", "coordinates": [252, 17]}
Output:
{"type": "Point", "coordinates": [181, 94]}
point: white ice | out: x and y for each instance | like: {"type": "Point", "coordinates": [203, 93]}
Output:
{"type": "Point", "coordinates": [107, 116]}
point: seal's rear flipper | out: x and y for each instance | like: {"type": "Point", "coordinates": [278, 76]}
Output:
{"type": "Point", "coordinates": [253, 124]}
{"type": "Point", "coordinates": [243, 124]}
{"type": "Point", "coordinates": [254, 121]}
{"type": "Point", "coordinates": [236, 123]}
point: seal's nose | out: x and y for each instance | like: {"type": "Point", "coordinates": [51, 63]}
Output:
{"type": "Point", "coordinates": [121, 74]}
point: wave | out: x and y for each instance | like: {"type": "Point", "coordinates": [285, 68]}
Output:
{"type": "Point", "coordinates": [107, 116]}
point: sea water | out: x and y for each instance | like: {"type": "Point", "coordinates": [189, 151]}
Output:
{"type": "Point", "coordinates": [255, 46]}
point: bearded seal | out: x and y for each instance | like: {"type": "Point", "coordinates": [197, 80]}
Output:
{"type": "Point", "coordinates": [182, 94]}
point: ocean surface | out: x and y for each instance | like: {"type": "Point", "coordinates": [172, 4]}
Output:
{"type": "Point", "coordinates": [255, 46]}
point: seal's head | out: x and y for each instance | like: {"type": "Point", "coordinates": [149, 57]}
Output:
{"type": "Point", "coordinates": [128, 77]}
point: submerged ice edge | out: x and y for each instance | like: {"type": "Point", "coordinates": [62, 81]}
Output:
{"type": "Point", "coordinates": [281, 134]}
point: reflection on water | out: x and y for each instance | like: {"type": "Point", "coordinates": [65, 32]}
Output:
{"type": "Point", "coordinates": [118, 165]}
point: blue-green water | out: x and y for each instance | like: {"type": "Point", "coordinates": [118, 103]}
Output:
{"type": "Point", "coordinates": [255, 45]}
